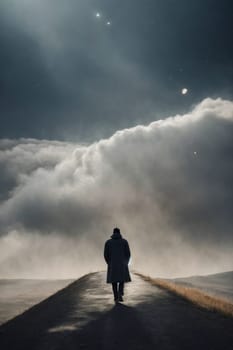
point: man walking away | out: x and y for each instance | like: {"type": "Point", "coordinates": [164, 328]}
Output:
{"type": "Point", "coordinates": [117, 255]}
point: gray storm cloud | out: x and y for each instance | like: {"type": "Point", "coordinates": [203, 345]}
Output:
{"type": "Point", "coordinates": [167, 185]}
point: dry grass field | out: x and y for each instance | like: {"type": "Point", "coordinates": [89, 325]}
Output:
{"type": "Point", "coordinates": [193, 295]}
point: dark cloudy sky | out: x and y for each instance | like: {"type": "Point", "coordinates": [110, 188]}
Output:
{"type": "Point", "coordinates": [96, 133]}
{"type": "Point", "coordinates": [66, 74]}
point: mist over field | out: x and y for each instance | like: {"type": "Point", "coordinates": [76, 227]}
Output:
{"type": "Point", "coordinates": [167, 185]}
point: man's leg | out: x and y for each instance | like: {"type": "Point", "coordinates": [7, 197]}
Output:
{"type": "Point", "coordinates": [121, 290]}
{"type": "Point", "coordinates": [114, 289]}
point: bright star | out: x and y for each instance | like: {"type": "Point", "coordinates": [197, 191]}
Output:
{"type": "Point", "coordinates": [108, 23]}
{"type": "Point", "coordinates": [184, 91]}
{"type": "Point", "coordinates": [195, 153]}
{"type": "Point", "coordinates": [97, 14]}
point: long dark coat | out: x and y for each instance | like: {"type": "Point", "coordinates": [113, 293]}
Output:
{"type": "Point", "coordinates": [117, 255]}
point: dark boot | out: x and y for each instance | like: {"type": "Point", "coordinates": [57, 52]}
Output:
{"type": "Point", "coordinates": [120, 298]}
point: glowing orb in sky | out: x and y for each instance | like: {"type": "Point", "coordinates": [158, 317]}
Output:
{"type": "Point", "coordinates": [97, 15]}
{"type": "Point", "coordinates": [108, 23]}
{"type": "Point", "coordinates": [184, 91]}
{"type": "Point", "coordinates": [195, 153]}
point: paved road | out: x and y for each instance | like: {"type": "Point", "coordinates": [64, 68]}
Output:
{"type": "Point", "coordinates": [83, 316]}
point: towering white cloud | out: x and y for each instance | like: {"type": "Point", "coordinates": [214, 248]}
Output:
{"type": "Point", "coordinates": [168, 185]}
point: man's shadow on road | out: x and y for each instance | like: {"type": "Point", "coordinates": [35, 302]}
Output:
{"type": "Point", "coordinates": [119, 328]}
